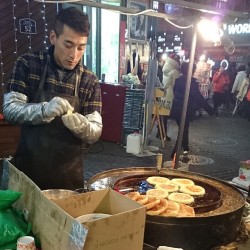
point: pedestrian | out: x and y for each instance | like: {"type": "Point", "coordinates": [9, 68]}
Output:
{"type": "Point", "coordinates": [163, 117]}
{"type": "Point", "coordinates": [57, 102]}
{"type": "Point", "coordinates": [241, 75]}
{"type": "Point", "coordinates": [195, 100]}
{"type": "Point", "coordinates": [221, 83]}
{"type": "Point", "coordinates": [242, 102]}
{"type": "Point", "coordinates": [171, 71]}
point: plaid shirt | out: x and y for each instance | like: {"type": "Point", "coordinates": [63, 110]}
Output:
{"type": "Point", "coordinates": [25, 79]}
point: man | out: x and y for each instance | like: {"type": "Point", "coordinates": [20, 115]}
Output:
{"type": "Point", "coordinates": [57, 101]}
{"type": "Point", "coordinates": [195, 100]}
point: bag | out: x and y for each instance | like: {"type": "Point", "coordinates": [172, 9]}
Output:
{"type": "Point", "coordinates": [12, 223]}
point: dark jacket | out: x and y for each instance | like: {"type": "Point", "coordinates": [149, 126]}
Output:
{"type": "Point", "coordinates": [195, 101]}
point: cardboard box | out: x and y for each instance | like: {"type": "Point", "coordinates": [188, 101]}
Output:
{"type": "Point", "coordinates": [54, 222]}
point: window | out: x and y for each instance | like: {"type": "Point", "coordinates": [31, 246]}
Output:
{"type": "Point", "coordinates": [102, 51]}
{"type": "Point", "coordinates": [110, 45]}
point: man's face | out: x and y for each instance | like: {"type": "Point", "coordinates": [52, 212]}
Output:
{"type": "Point", "coordinates": [69, 47]}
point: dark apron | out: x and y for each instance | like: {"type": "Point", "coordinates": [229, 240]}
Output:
{"type": "Point", "coordinates": [50, 154]}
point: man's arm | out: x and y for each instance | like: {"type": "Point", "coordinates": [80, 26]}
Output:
{"type": "Point", "coordinates": [16, 109]}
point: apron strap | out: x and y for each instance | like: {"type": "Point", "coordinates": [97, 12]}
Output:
{"type": "Point", "coordinates": [39, 94]}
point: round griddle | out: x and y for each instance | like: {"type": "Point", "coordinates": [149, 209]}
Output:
{"type": "Point", "coordinates": [210, 201]}
{"type": "Point", "coordinates": [216, 227]}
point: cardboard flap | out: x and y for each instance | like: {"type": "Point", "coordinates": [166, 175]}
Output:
{"type": "Point", "coordinates": [54, 224]}
{"type": "Point", "coordinates": [56, 229]}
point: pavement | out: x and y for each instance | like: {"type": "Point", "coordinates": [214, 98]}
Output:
{"type": "Point", "coordinates": [217, 145]}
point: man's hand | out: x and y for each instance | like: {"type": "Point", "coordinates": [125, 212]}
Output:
{"type": "Point", "coordinates": [75, 122]}
{"type": "Point", "coordinates": [57, 107]}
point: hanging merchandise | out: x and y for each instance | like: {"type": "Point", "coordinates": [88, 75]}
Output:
{"type": "Point", "coordinates": [202, 74]}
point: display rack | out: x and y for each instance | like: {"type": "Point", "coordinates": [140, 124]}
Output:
{"type": "Point", "coordinates": [133, 112]}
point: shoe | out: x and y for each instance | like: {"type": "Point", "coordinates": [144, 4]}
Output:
{"type": "Point", "coordinates": [157, 135]}
{"type": "Point", "coordinates": [168, 138]}
{"type": "Point", "coordinates": [185, 153]}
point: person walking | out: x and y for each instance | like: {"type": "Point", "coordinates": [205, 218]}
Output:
{"type": "Point", "coordinates": [171, 71]}
{"type": "Point", "coordinates": [241, 75]}
{"type": "Point", "coordinates": [57, 102]}
{"type": "Point", "coordinates": [221, 83]}
{"type": "Point", "coordinates": [195, 100]}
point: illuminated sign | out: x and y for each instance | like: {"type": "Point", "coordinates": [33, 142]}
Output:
{"type": "Point", "coordinates": [170, 41]}
{"type": "Point", "coordinates": [237, 29]}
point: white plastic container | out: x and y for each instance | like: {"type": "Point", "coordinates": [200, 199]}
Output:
{"type": "Point", "coordinates": [134, 142]}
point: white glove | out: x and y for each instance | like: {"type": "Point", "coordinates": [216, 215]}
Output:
{"type": "Point", "coordinates": [57, 107]}
{"type": "Point", "coordinates": [87, 128]}
{"type": "Point", "coordinates": [75, 122]}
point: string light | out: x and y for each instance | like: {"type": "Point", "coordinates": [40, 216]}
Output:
{"type": "Point", "coordinates": [1, 63]}
{"type": "Point", "coordinates": [45, 26]}
{"type": "Point", "coordinates": [14, 24]}
{"type": "Point", "coordinates": [29, 14]}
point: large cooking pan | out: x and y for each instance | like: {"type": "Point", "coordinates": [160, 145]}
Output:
{"type": "Point", "coordinates": [216, 226]}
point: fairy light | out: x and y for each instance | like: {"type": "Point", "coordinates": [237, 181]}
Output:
{"type": "Point", "coordinates": [1, 63]}
{"type": "Point", "coordinates": [29, 14]}
{"type": "Point", "coordinates": [45, 26]}
{"type": "Point", "coordinates": [14, 25]}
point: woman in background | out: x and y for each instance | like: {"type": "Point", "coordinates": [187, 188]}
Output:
{"type": "Point", "coordinates": [221, 83]}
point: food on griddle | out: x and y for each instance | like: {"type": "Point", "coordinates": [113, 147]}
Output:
{"type": "Point", "coordinates": [162, 207]}
{"type": "Point", "coordinates": [186, 211]}
{"type": "Point", "coordinates": [181, 198]}
{"type": "Point", "coordinates": [133, 195]}
{"type": "Point", "coordinates": [182, 181]}
{"type": "Point", "coordinates": [170, 187]}
{"type": "Point", "coordinates": [159, 209]}
{"type": "Point", "coordinates": [157, 193]}
{"type": "Point", "coordinates": [154, 180]}
{"type": "Point", "coordinates": [143, 199]}
{"type": "Point", "coordinates": [152, 202]}
{"type": "Point", "coordinates": [172, 209]}
{"type": "Point", "coordinates": [168, 198]}
{"type": "Point", "coordinates": [194, 190]}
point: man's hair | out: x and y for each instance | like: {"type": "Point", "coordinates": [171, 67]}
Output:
{"type": "Point", "coordinates": [74, 18]}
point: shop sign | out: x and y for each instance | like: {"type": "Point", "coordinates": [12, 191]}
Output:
{"type": "Point", "coordinates": [170, 41]}
{"type": "Point", "coordinates": [237, 29]}
{"type": "Point", "coordinates": [27, 26]}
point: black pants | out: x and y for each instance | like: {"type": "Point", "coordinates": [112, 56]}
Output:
{"type": "Point", "coordinates": [218, 99]}
{"type": "Point", "coordinates": [185, 139]}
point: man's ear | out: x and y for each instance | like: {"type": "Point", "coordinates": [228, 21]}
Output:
{"type": "Point", "coordinates": [52, 37]}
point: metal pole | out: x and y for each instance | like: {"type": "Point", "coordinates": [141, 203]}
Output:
{"type": "Point", "coordinates": [185, 103]}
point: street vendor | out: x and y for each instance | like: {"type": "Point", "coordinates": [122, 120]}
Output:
{"type": "Point", "coordinates": [57, 102]}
